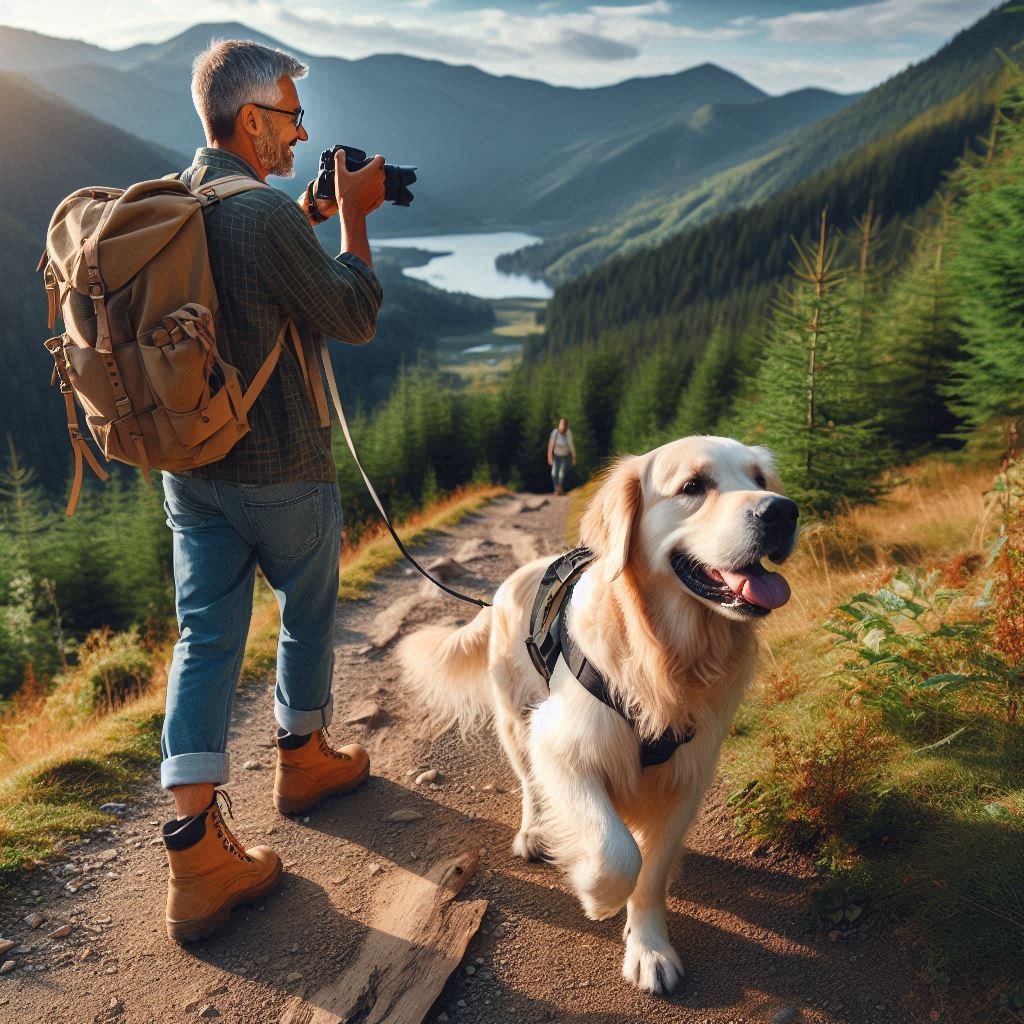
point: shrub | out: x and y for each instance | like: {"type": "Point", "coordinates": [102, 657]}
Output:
{"type": "Point", "coordinates": [824, 789]}
{"type": "Point", "coordinates": [112, 668]}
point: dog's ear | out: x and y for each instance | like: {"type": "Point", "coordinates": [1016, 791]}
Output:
{"type": "Point", "coordinates": [613, 516]}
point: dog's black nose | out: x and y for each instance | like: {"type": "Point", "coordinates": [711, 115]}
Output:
{"type": "Point", "coordinates": [777, 512]}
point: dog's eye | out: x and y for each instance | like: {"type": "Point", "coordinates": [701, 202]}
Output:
{"type": "Point", "coordinates": [692, 487]}
{"type": "Point", "coordinates": [760, 480]}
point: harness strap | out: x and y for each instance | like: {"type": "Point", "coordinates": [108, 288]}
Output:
{"type": "Point", "coordinates": [652, 752]}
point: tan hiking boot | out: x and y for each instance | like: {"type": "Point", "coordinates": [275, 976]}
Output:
{"type": "Point", "coordinates": [211, 873]}
{"type": "Point", "coordinates": [309, 770]}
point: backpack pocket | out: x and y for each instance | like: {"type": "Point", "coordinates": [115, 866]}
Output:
{"type": "Point", "coordinates": [178, 358]}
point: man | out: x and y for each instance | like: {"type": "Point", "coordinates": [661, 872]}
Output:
{"type": "Point", "coordinates": [273, 501]}
{"type": "Point", "coordinates": [560, 450]}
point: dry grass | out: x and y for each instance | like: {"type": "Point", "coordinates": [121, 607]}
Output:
{"type": "Point", "coordinates": [937, 512]}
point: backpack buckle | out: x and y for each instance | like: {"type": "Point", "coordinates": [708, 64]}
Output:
{"type": "Point", "coordinates": [211, 195]}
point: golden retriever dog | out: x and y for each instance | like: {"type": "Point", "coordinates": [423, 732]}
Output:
{"type": "Point", "coordinates": [666, 614]}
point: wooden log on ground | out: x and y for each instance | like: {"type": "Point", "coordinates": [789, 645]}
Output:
{"type": "Point", "coordinates": [418, 937]}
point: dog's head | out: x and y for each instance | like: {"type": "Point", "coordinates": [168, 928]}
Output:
{"type": "Point", "coordinates": [702, 512]}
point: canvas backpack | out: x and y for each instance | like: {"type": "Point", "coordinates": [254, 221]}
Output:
{"type": "Point", "coordinates": [129, 272]}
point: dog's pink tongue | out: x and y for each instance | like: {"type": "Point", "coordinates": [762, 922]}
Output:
{"type": "Point", "coordinates": [758, 586]}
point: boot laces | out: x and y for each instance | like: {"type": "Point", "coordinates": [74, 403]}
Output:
{"type": "Point", "coordinates": [326, 749]}
{"type": "Point", "coordinates": [224, 834]}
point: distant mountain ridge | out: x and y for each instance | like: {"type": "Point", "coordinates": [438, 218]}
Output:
{"type": "Point", "coordinates": [493, 151]}
{"type": "Point", "coordinates": [970, 60]}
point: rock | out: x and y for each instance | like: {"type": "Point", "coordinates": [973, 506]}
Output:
{"type": "Point", "coordinates": [442, 1018]}
{"type": "Point", "coordinates": [403, 816]}
{"type": "Point", "coordinates": [535, 504]}
{"type": "Point", "coordinates": [445, 568]}
{"type": "Point", "coordinates": [113, 808]}
{"type": "Point", "coordinates": [373, 869]}
{"type": "Point", "coordinates": [294, 977]}
{"type": "Point", "coordinates": [86, 953]}
{"type": "Point", "coordinates": [252, 766]}
{"type": "Point", "coordinates": [786, 1015]}
{"type": "Point", "coordinates": [8, 965]}
{"type": "Point", "coordinates": [6, 945]}
{"type": "Point", "coordinates": [833, 935]}
{"type": "Point", "coordinates": [470, 970]}
{"type": "Point", "coordinates": [34, 920]}
{"type": "Point", "coordinates": [106, 856]}
{"type": "Point", "coordinates": [209, 1012]}
{"type": "Point", "coordinates": [431, 775]}
{"type": "Point", "coordinates": [366, 713]}
{"type": "Point", "coordinates": [60, 933]}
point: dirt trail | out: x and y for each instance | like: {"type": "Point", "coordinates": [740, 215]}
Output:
{"type": "Point", "coordinates": [741, 922]}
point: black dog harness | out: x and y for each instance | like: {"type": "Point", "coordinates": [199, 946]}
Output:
{"type": "Point", "coordinates": [549, 637]}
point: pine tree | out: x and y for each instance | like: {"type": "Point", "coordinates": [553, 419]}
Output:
{"type": "Point", "coordinates": [704, 401]}
{"type": "Point", "coordinates": [987, 273]}
{"type": "Point", "coordinates": [809, 404]}
{"type": "Point", "coordinates": [917, 338]}
{"type": "Point", "coordinates": [648, 403]}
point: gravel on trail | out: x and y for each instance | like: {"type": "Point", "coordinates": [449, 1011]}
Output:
{"type": "Point", "coordinates": [741, 919]}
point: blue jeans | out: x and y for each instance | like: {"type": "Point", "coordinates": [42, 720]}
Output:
{"type": "Point", "coordinates": [222, 532]}
{"type": "Point", "coordinates": [559, 465]}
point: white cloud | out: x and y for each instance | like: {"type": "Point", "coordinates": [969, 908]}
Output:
{"type": "Point", "coordinates": [875, 22]}
{"type": "Point", "coordinates": [636, 11]}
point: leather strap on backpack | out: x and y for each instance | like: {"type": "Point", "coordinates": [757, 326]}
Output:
{"type": "Point", "coordinates": [79, 445]}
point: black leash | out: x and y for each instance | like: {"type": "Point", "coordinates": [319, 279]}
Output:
{"type": "Point", "coordinates": [332, 384]}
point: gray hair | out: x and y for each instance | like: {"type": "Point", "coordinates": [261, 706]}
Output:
{"type": "Point", "coordinates": [233, 72]}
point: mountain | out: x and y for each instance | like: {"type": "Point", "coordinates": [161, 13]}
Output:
{"type": "Point", "coordinates": [970, 60]}
{"type": "Point", "coordinates": [493, 151]}
{"type": "Point", "coordinates": [722, 273]}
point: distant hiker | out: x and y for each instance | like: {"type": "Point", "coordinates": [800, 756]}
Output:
{"type": "Point", "coordinates": [560, 450]}
{"type": "Point", "coordinates": [273, 501]}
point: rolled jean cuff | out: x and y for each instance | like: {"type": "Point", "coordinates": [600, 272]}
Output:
{"type": "Point", "coordinates": [187, 769]}
{"type": "Point", "coordinates": [302, 723]}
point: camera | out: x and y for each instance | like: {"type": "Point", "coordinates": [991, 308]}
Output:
{"type": "Point", "coordinates": [396, 179]}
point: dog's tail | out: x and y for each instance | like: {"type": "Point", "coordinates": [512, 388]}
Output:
{"type": "Point", "coordinates": [446, 668]}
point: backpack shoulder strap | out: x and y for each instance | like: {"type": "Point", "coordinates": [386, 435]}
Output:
{"type": "Point", "coordinates": [225, 188]}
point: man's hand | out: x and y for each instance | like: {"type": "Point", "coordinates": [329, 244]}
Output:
{"type": "Point", "coordinates": [359, 192]}
{"type": "Point", "coordinates": [327, 208]}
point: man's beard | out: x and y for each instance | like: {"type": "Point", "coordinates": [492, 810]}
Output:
{"type": "Point", "coordinates": [277, 158]}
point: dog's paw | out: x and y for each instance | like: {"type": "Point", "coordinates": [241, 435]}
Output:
{"type": "Point", "coordinates": [653, 968]}
{"type": "Point", "coordinates": [529, 844]}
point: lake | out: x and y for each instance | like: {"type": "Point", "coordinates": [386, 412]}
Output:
{"type": "Point", "coordinates": [465, 263]}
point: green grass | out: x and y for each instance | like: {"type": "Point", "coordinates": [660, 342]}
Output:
{"type": "Point", "coordinates": [910, 797]}
{"type": "Point", "coordinates": [52, 802]}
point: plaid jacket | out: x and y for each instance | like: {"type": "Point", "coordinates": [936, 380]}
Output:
{"type": "Point", "coordinates": [267, 264]}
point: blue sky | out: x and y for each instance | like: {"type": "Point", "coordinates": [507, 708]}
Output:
{"type": "Point", "coordinates": [776, 44]}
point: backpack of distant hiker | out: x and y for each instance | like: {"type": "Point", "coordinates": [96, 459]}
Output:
{"type": "Point", "coordinates": [129, 272]}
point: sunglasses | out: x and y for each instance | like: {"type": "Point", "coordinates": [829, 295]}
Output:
{"type": "Point", "coordinates": [295, 115]}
